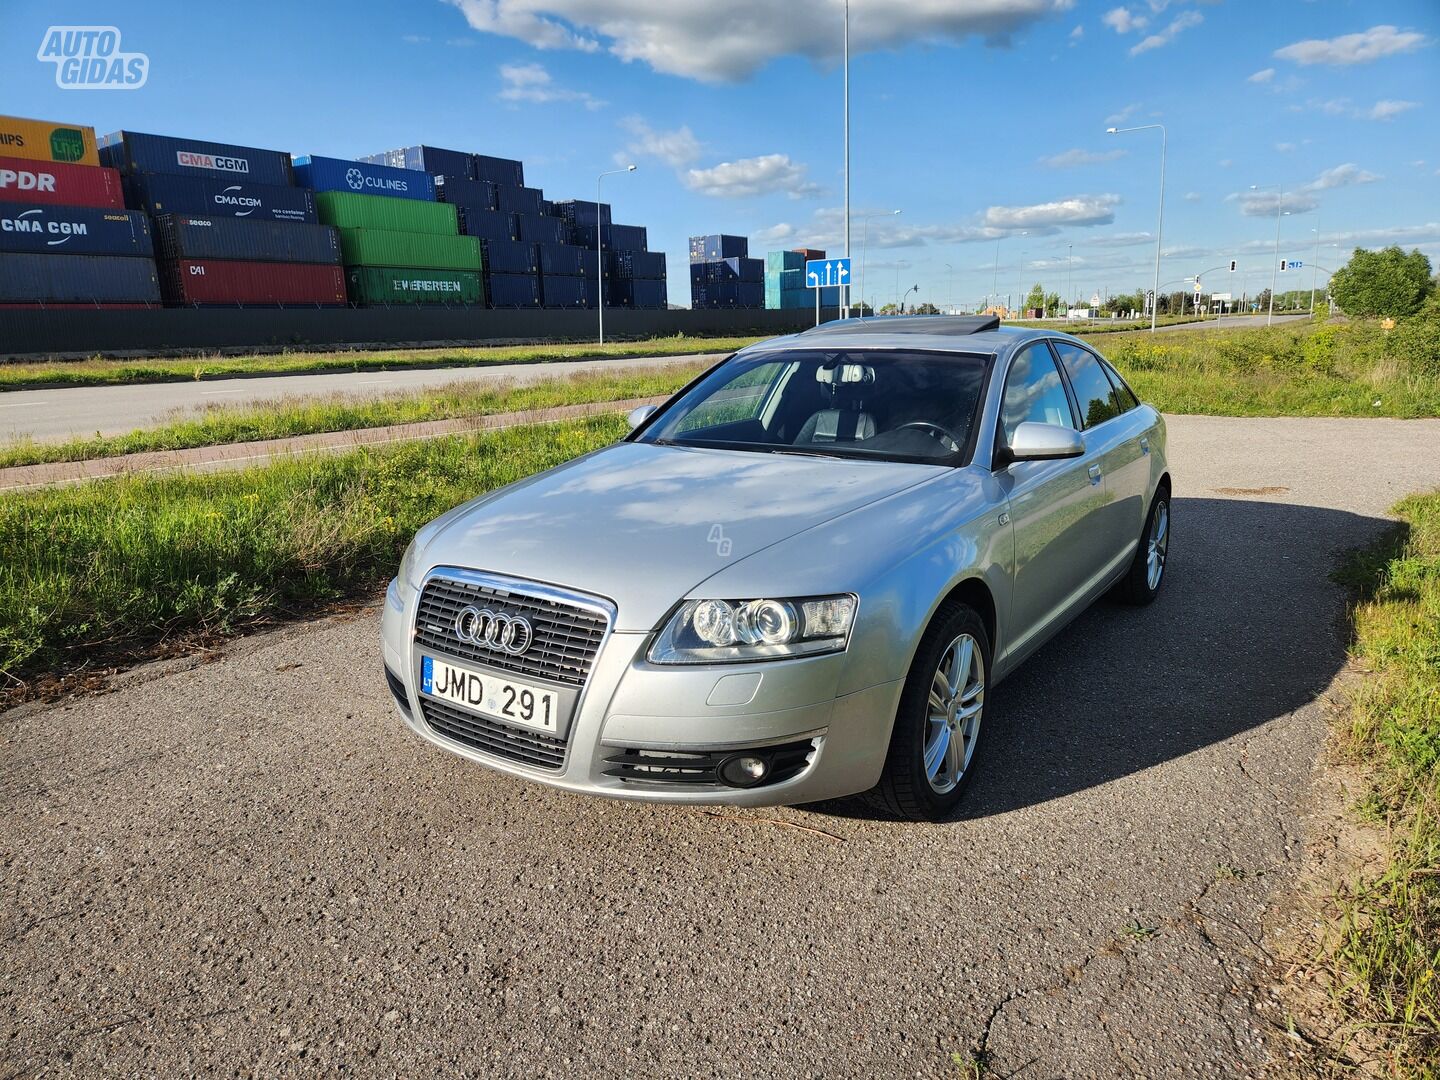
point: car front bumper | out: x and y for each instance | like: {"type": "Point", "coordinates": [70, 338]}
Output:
{"type": "Point", "coordinates": [632, 710]}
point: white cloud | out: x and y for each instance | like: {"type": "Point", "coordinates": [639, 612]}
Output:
{"type": "Point", "coordinates": [769, 174]}
{"type": "Point", "coordinates": [1193, 196]}
{"type": "Point", "coordinates": [1077, 34]}
{"type": "Point", "coordinates": [1284, 147]}
{"type": "Point", "coordinates": [676, 148]}
{"type": "Point", "coordinates": [1403, 235]}
{"type": "Point", "coordinates": [415, 39]}
{"type": "Point", "coordinates": [1123, 115]}
{"type": "Point", "coordinates": [532, 83]}
{"type": "Point", "coordinates": [774, 234]}
{"type": "Point", "coordinates": [1264, 75]}
{"type": "Point", "coordinates": [1362, 48]}
{"type": "Point", "coordinates": [1301, 199]}
{"type": "Point", "coordinates": [1388, 110]}
{"type": "Point", "coordinates": [1076, 210]}
{"type": "Point", "coordinates": [1178, 25]}
{"type": "Point", "coordinates": [733, 40]}
{"type": "Point", "coordinates": [1345, 175]}
{"type": "Point", "coordinates": [1122, 20]}
{"type": "Point", "coordinates": [1070, 158]}
{"type": "Point", "coordinates": [1116, 240]}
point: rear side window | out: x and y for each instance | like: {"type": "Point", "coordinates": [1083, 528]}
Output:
{"type": "Point", "coordinates": [1123, 394]}
{"type": "Point", "coordinates": [1034, 392]}
{"type": "Point", "coordinates": [1091, 384]}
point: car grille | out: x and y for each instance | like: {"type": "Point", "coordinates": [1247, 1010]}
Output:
{"type": "Point", "coordinates": [491, 736]}
{"type": "Point", "coordinates": [567, 636]}
{"type": "Point", "coordinates": [695, 767]}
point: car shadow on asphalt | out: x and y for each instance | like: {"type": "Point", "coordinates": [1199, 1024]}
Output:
{"type": "Point", "coordinates": [1249, 627]}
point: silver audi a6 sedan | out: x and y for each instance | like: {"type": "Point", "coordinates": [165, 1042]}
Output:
{"type": "Point", "coordinates": [801, 577]}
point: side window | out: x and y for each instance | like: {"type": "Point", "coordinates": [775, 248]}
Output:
{"type": "Point", "coordinates": [1091, 384]}
{"type": "Point", "coordinates": [1034, 393]}
{"type": "Point", "coordinates": [1123, 394]}
{"type": "Point", "coordinates": [742, 399]}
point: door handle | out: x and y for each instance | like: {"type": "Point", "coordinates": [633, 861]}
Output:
{"type": "Point", "coordinates": [1144, 444]}
{"type": "Point", "coordinates": [1094, 472]}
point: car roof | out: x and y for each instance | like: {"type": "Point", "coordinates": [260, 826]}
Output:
{"type": "Point", "coordinates": [969, 334]}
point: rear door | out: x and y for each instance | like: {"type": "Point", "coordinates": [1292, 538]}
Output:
{"type": "Point", "coordinates": [1053, 505]}
{"type": "Point", "coordinates": [1115, 431]}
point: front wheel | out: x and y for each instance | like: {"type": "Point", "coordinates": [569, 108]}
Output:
{"type": "Point", "coordinates": [937, 726]}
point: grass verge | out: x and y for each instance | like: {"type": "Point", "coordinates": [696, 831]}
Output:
{"type": "Point", "coordinates": [107, 571]}
{"type": "Point", "coordinates": [1384, 950]}
{"type": "Point", "coordinates": [99, 372]}
{"type": "Point", "coordinates": [218, 425]}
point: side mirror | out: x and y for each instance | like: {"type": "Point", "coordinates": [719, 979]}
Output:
{"type": "Point", "coordinates": [1043, 442]}
{"type": "Point", "coordinates": [639, 415]}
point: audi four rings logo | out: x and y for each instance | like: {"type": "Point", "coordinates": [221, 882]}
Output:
{"type": "Point", "coordinates": [481, 626]}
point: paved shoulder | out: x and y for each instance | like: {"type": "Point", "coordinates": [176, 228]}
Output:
{"type": "Point", "coordinates": [249, 866]}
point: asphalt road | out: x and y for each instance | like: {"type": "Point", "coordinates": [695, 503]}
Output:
{"type": "Point", "coordinates": [47, 415]}
{"type": "Point", "coordinates": [115, 410]}
{"type": "Point", "coordinates": [248, 867]}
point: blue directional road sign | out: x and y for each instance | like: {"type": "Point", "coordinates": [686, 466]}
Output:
{"type": "Point", "coordinates": [827, 273]}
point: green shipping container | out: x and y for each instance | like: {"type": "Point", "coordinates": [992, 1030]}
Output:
{"type": "Point", "coordinates": [350, 211]}
{"type": "Point", "coordinates": [376, 247]}
{"type": "Point", "coordinates": [397, 285]}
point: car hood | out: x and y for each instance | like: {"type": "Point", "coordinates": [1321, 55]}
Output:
{"type": "Point", "coordinates": [643, 524]}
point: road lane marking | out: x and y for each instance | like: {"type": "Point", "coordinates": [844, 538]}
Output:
{"type": "Point", "coordinates": [211, 393]}
{"type": "Point", "coordinates": [24, 404]}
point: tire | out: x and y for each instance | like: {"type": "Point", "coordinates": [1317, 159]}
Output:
{"type": "Point", "coordinates": [906, 788]}
{"type": "Point", "coordinates": [1140, 585]}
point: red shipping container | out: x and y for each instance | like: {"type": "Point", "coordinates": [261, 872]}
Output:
{"type": "Point", "coordinates": [56, 184]}
{"type": "Point", "coordinates": [220, 281]}
{"type": "Point", "coordinates": [810, 253]}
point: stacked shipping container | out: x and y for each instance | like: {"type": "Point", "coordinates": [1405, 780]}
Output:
{"type": "Point", "coordinates": [723, 275]}
{"type": "Point", "coordinates": [399, 246]}
{"type": "Point", "coordinates": [785, 285]}
{"type": "Point", "coordinates": [65, 237]}
{"type": "Point", "coordinates": [231, 229]}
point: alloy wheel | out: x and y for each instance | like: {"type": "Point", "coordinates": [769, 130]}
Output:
{"type": "Point", "coordinates": [1158, 544]}
{"type": "Point", "coordinates": [956, 704]}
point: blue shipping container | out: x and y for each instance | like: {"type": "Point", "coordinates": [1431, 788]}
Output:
{"type": "Point", "coordinates": [565, 260]}
{"type": "Point", "coordinates": [509, 257]}
{"type": "Point", "coordinates": [486, 224]}
{"type": "Point", "coordinates": [134, 152]}
{"type": "Point", "coordinates": [562, 291]}
{"type": "Point", "coordinates": [518, 200]}
{"type": "Point", "coordinates": [77, 279]}
{"type": "Point", "coordinates": [337, 174]}
{"type": "Point", "coordinates": [628, 238]}
{"type": "Point", "coordinates": [158, 193]}
{"type": "Point", "coordinates": [542, 230]}
{"type": "Point", "coordinates": [181, 236]}
{"type": "Point", "coordinates": [514, 290]}
{"type": "Point", "coordinates": [427, 159]}
{"type": "Point", "coordinates": [461, 192]}
{"type": "Point", "coordinates": [638, 293]}
{"type": "Point", "coordinates": [74, 230]}
{"type": "Point", "coordinates": [582, 212]}
{"type": "Point", "coordinates": [649, 265]}
{"type": "Point", "coordinates": [497, 170]}
{"type": "Point", "coordinates": [718, 246]}
{"type": "Point", "coordinates": [744, 294]}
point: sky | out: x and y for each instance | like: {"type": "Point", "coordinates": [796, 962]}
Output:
{"type": "Point", "coordinates": [983, 121]}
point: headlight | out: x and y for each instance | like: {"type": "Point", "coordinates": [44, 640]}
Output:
{"type": "Point", "coordinates": [407, 573]}
{"type": "Point", "coordinates": [727, 631]}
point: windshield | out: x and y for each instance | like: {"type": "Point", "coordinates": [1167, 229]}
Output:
{"type": "Point", "coordinates": [859, 403]}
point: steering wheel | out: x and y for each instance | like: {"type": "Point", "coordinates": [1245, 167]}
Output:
{"type": "Point", "coordinates": [943, 434]}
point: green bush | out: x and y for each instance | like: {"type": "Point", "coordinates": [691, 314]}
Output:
{"type": "Point", "coordinates": [1415, 341]}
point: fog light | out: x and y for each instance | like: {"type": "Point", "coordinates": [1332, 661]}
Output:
{"type": "Point", "coordinates": [743, 770]}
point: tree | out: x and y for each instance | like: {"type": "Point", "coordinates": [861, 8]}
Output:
{"type": "Point", "coordinates": [927, 308]}
{"type": "Point", "coordinates": [1036, 299]}
{"type": "Point", "coordinates": [888, 309]}
{"type": "Point", "coordinates": [1052, 303]}
{"type": "Point", "coordinates": [1382, 283]}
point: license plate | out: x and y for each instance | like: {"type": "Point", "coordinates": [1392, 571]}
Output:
{"type": "Point", "coordinates": [506, 700]}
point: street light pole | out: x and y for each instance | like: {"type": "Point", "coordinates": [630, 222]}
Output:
{"type": "Point", "coordinates": [1069, 274]}
{"type": "Point", "coordinates": [847, 152]}
{"type": "Point", "coordinates": [1275, 257]}
{"type": "Point", "coordinates": [950, 288]}
{"type": "Point", "coordinates": [600, 250]}
{"type": "Point", "coordinates": [1314, 266]}
{"type": "Point", "coordinates": [865, 247]}
{"type": "Point", "coordinates": [1160, 223]}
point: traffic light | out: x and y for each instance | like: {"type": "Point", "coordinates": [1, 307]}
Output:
{"type": "Point", "coordinates": [1232, 266]}
{"type": "Point", "coordinates": [1282, 266]}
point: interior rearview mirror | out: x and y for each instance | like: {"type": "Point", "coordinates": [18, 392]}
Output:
{"type": "Point", "coordinates": [1044, 442]}
{"type": "Point", "coordinates": [639, 415]}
